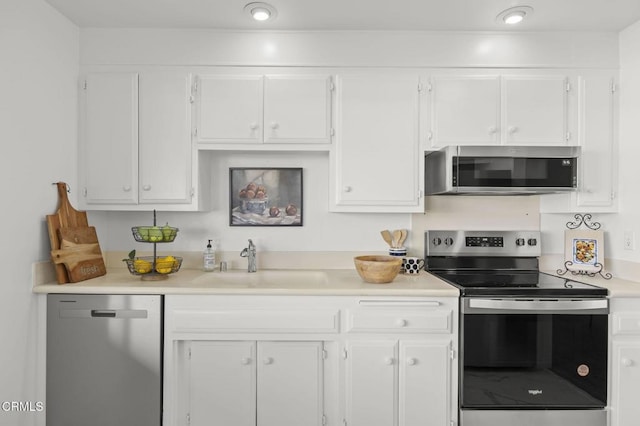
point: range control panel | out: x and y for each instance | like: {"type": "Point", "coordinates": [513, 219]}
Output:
{"type": "Point", "coordinates": [482, 243]}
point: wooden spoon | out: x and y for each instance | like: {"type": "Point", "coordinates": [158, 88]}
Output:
{"type": "Point", "coordinates": [386, 235]}
{"type": "Point", "coordinates": [396, 238]}
{"type": "Point", "coordinates": [403, 237]}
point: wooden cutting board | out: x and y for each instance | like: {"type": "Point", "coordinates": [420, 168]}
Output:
{"type": "Point", "coordinates": [79, 253]}
{"type": "Point", "coordinates": [65, 217]}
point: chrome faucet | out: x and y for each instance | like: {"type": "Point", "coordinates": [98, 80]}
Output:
{"type": "Point", "coordinates": [250, 254]}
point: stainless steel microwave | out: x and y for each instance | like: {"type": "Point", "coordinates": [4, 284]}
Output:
{"type": "Point", "coordinates": [491, 170]}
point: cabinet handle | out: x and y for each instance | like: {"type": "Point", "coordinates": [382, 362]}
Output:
{"type": "Point", "coordinates": [126, 188]}
{"type": "Point", "coordinates": [401, 322]}
{"type": "Point", "coordinates": [389, 360]}
{"type": "Point", "coordinates": [347, 189]}
{"type": "Point", "coordinates": [267, 361]}
{"type": "Point", "coordinates": [274, 125]}
{"type": "Point", "coordinates": [245, 361]}
{"type": "Point", "coordinates": [627, 362]}
{"type": "Point", "coordinates": [253, 126]}
{"type": "Point", "coordinates": [412, 361]}
{"type": "Point", "coordinates": [512, 129]}
{"type": "Point", "coordinates": [493, 130]}
{"type": "Point", "coordinates": [146, 187]}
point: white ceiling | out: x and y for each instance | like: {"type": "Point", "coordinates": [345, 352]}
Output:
{"type": "Point", "coordinates": [420, 15]}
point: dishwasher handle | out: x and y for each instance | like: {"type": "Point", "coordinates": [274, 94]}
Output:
{"type": "Point", "coordinates": [104, 313]}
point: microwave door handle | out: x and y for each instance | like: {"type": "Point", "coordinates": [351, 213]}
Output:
{"type": "Point", "coordinates": [539, 305]}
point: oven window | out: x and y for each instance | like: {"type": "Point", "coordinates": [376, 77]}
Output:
{"type": "Point", "coordinates": [514, 172]}
{"type": "Point", "coordinates": [534, 361]}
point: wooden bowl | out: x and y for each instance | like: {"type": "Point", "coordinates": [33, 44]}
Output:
{"type": "Point", "coordinates": [378, 269]}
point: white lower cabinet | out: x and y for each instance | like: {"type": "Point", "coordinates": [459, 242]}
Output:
{"type": "Point", "coordinates": [310, 361]}
{"type": "Point", "coordinates": [397, 382]}
{"type": "Point", "coordinates": [247, 383]}
{"type": "Point", "coordinates": [625, 362]}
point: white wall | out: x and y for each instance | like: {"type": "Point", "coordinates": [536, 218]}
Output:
{"type": "Point", "coordinates": [629, 172]}
{"type": "Point", "coordinates": [38, 75]}
{"type": "Point", "coordinates": [348, 48]}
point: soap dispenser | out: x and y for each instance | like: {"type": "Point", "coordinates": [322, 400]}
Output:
{"type": "Point", "coordinates": [209, 258]}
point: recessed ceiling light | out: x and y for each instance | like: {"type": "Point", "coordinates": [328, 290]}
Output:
{"type": "Point", "coordinates": [261, 11]}
{"type": "Point", "coordinates": [514, 15]}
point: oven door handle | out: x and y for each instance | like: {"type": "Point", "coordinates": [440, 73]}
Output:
{"type": "Point", "coordinates": [536, 305]}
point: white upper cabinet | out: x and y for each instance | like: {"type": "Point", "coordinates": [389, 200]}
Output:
{"type": "Point", "coordinates": [165, 151]}
{"type": "Point", "coordinates": [492, 109]}
{"type": "Point", "coordinates": [135, 145]}
{"type": "Point", "coordinates": [376, 163]}
{"type": "Point", "coordinates": [241, 109]}
{"type": "Point", "coordinates": [465, 110]}
{"type": "Point", "coordinates": [534, 110]}
{"type": "Point", "coordinates": [109, 141]}
{"type": "Point", "coordinates": [229, 109]}
{"type": "Point", "coordinates": [597, 180]}
{"type": "Point", "coordinates": [297, 109]}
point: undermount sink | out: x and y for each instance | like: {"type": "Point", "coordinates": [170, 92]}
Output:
{"type": "Point", "coordinates": [267, 278]}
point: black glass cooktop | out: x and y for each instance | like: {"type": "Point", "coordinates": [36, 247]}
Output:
{"type": "Point", "coordinates": [531, 283]}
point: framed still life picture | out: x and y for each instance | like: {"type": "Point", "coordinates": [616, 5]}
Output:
{"type": "Point", "coordinates": [265, 196]}
{"type": "Point", "coordinates": [584, 250]}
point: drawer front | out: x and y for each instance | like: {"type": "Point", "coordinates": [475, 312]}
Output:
{"type": "Point", "coordinates": [255, 321]}
{"type": "Point", "coordinates": [405, 320]}
{"type": "Point", "coordinates": [626, 323]}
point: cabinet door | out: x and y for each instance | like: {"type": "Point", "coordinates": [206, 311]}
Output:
{"type": "Point", "coordinates": [534, 110]}
{"type": "Point", "coordinates": [165, 138]}
{"type": "Point", "coordinates": [597, 169]}
{"type": "Point", "coordinates": [598, 149]}
{"type": "Point", "coordinates": [109, 146]}
{"type": "Point", "coordinates": [290, 384]}
{"type": "Point", "coordinates": [425, 383]}
{"type": "Point", "coordinates": [230, 109]}
{"type": "Point", "coordinates": [297, 109]}
{"type": "Point", "coordinates": [465, 110]}
{"type": "Point", "coordinates": [222, 383]}
{"type": "Point", "coordinates": [371, 383]}
{"type": "Point", "coordinates": [626, 384]}
{"type": "Point", "coordinates": [377, 159]}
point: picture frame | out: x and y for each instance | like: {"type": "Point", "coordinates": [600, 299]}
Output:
{"type": "Point", "coordinates": [265, 196]}
{"type": "Point", "coordinates": [584, 251]}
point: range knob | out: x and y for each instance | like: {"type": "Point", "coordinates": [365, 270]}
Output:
{"type": "Point", "coordinates": [532, 242]}
{"type": "Point", "coordinates": [520, 241]}
{"type": "Point", "coordinates": [436, 241]}
{"type": "Point", "coordinates": [448, 241]}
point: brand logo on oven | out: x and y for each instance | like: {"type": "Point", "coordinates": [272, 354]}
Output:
{"type": "Point", "coordinates": [535, 392]}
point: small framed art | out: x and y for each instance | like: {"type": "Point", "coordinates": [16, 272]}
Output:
{"type": "Point", "coordinates": [584, 250]}
{"type": "Point", "coordinates": [260, 196]}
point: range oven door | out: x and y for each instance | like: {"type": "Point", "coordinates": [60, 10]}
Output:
{"type": "Point", "coordinates": [533, 355]}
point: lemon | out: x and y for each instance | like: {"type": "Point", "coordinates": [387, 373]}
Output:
{"type": "Point", "coordinates": [164, 265]}
{"type": "Point", "coordinates": [141, 266]}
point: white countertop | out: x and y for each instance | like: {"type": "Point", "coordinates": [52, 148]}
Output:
{"type": "Point", "coordinates": [292, 282]}
{"type": "Point", "coordinates": [267, 281]}
{"type": "Point", "coordinates": [617, 287]}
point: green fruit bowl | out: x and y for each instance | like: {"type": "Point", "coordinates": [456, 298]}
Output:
{"type": "Point", "coordinates": [154, 234]}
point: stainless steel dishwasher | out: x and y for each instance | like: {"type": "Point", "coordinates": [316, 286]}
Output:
{"type": "Point", "coordinates": [104, 360]}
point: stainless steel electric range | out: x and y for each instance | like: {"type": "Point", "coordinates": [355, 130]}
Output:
{"type": "Point", "coordinates": [533, 346]}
